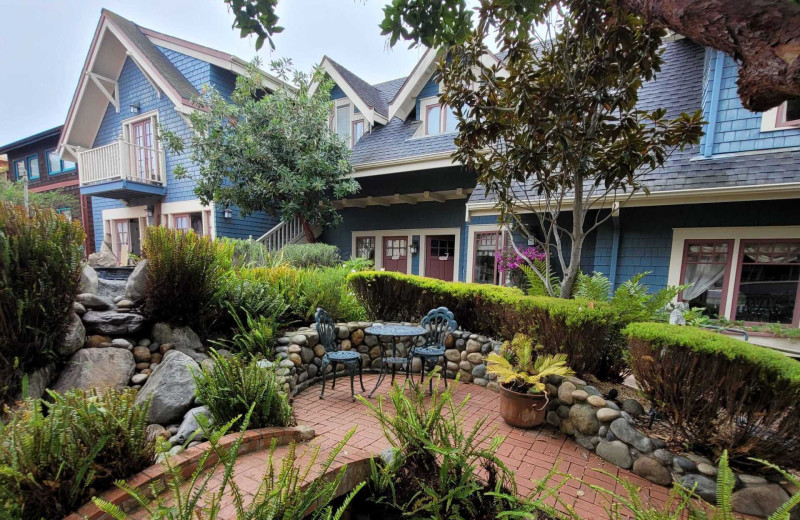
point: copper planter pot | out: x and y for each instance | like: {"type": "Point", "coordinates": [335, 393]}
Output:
{"type": "Point", "coordinates": [522, 410]}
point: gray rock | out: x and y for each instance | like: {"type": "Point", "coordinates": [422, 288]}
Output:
{"type": "Point", "coordinates": [473, 346]}
{"type": "Point", "coordinates": [154, 347]}
{"type": "Point", "coordinates": [102, 259]}
{"type": "Point", "coordinates": [658, 443]}
{"type": "Point", "coordinates": [189, 426]}
{"type": "Point", "coordinates": [118, 299]}
{"type": "Point", "coordinates": [74, 337]}
{"type": "Point", "coordinates": [612, 405]}
{"type": "Point", "coordinates": [78, 308]}
{"type": "Point", "coordinates": [706, 488]}
{"type": "Point", "coordinates": [565, 392]}
{"type": "Point", "coordinates": [171, 387]}
{"type": "Point", "coordinates": [137, 282]}
{"type": "Point", "coordinates": [88, 282]}
{"type": "Point", "coordinates": [759, 501]}
{"type": "Point", "coordinates": [633, 407]}
{"type": "Point", "coordinates": [198, 357]}
{"type": "Point", "coordinates": [306, 354]}
{"type": "Point", "coordinates": [707, 469]}
{"type": "Point", "coordinates": [39, 380]}
{"type": "Point", "coordinates": [589, 442]}
{"type": "Point", "coordinates": [684, 464]}
{"type": "Point", "coordinates": [112, 323]}
{"type": "Point", "coordinates": [479, 371]}
{"type": "Point", "coordinates": [652, 470]}
{"type": "Point", "coordinates": [123, 343]}
{"type": "Point", "coordinates": [178, 337]}
{"type": "Point", "coordinates": [752, 480]}
{"type": "Point", "coordinates": [553, 419]}
{"type": "Point", "coordinates": [615, 452]}
{"type": "Point", "coordinates": [96, 368]}
{"type": "Point", "coordinates": [575, 381]}
{"type": "Point", "coordinates": [579, 396]}
{"type": "Point", "coordinates": [94, 302]}
{"type": "Point", "coordinates": [699, 459]}
{"type": "Point", "coordinates": [563, 411]}
{"type": "Point", "coordinates": [300, 339]}
{"type": "Point", "coordinates": [584, 418]}
{"type": "Point", "coordinates": [480, 381]}
{"type": "Point", "coordinates": [663, 456]}
{"type": "Point", "coordinates": [589, 389]}
{"type": "Point", "coordinates": [602, 431]}
{"type": "Point", "coordinates": [124, 304]}
{"type": "Point", "coordinates": [607, 414]}
{"type": "Point", "coordinates": [622, 429]}
{"type": "Point", "coordinates": [138, 379]}
{"type": "Point", "coordinates": [144, 342]}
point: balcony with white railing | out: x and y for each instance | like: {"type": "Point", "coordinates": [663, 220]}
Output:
{"type": "Point", "coordinates": [122, 170]}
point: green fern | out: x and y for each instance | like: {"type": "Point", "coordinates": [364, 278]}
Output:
{"type": "Point", "coordinates": [535, 279]}
{"type": "Point", "coordinates": [595, 287]}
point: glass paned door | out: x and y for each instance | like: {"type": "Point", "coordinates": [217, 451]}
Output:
{"type": "Point", "coordinates": [706, 265]}
{"type": "Point", "coordinates": [768, 283]}
{"type": "Point", "coordinates": [181, 222]}
{"type": "Point", "coordinates": [365, 248]}
{"type": "Point", "coordinates": [395, 254]}
{"type": "Point", "coordinates": [143, 151]}
{"type": "Point", "coordinates": [486, 247]}
{"type": "Point", "coordinates": [122, 240]}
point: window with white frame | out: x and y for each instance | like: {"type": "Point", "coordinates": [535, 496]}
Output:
{"type": "Point", "coordinates": [439, 119]}
{"type": "Point", "coordinates": [358, 131]}
{"type": "Point", "coordinates": [782, 117]}
{"type": "Point", "coordinates": [343, 121]}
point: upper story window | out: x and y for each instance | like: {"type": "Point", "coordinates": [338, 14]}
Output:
{"type": "Point", "coordinates": [343, 121]}
{"type": "Point", "coordinates": [20, 170]}
{"type": "Point", "coordinates": [358, 131]}
{"type": "Point", "coordinates": [789, 113]}
{"type": "Point", "coordinates": [56, 166]}
{"type": "Point", "coordinates": [439, 119]}
{"type": "Point", "coordinates": [32, 162]}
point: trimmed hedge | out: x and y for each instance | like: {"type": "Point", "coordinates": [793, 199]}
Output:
{"type": "Point", "coordinates": [589, 334]}
{"type": "Point", "coordinates": [720, 391]}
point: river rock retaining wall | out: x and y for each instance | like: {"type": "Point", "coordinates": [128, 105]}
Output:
{"type": "Point", "coordinates": [299, 354]}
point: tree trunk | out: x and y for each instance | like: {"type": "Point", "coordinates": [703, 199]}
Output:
{"type": "Point", "coordinates": [308, 231]}
{"type": "Point", "coordinates": [762, 35]}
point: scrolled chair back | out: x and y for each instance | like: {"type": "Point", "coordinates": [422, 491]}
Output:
{"type": "Point", "coordinates": [440, 323]}
{"type": "Point", "coordinates": [326, 330]}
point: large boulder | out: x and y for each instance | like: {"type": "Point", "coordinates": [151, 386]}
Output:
{"type": "Point", "coordinates": [703, 486]}
{"type": "Point", "coordinates": [652, 470]}
{"type": "Point", "coordinates": [171, 387]}
{"type": "Point", "coordinates": [615, 452]}
{"type": "Point", "coordinates": [178, 337]}
{"type": "Point", "coordinates": [112, 323]}
{"type": "Point", "coordinates": [137, 282]}
{"type": "Point", "coordinates": [627, 433]}
{"type": "Point", "coordinates": [39, 380]}
{"type": "Point", "coordinates": [584, 419]}
{"type": "Point", "coordinates": [74, 337]}
{"type": "Point", "coordinates": [760, 501]}
{"type": "Point", "coordinates": [99, 368]}
{"type": "Point", "coordinates": [88, 280]}
{"type": "Point", "coordinates": [94, 302]}
{"type": "Point", "coordinates": [103, 259]}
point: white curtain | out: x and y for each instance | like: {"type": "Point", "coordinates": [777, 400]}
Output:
{"type": "Point", "coordinates": [702, 277]}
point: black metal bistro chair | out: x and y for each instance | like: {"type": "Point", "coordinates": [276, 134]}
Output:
{"type": "Point", "coordinates": [440, 323]}
{"type": "Point", "coordinates": [333, 356]}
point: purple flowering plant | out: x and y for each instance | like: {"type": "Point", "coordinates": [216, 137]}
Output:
{"type": "Point", "coordinates": [509, 260]}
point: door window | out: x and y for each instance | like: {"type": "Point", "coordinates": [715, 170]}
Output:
{"type": "Point", "coordinates": [486, 247]}
{"type": "Point", "coordinates": [181, 222]}
{"type": "Point", "coordinates": [365, 247]}
{"type": "Point", "coordinates": [769, 279]}
{"type": "Point", "coordinates": [122, 239]}
{"type": "Point", "coordinates": [143, 152]}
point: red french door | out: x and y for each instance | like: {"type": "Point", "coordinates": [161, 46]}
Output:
{"type": "Point", "coordinates": [143, 152]}
{"type": "Point", "coordinates": [395, 254]}
{"type": "Point", "coordinates": [440, 257]}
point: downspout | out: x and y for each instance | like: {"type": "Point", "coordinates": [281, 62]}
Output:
{"type": "Point", "coordinates": [719, 65]}
{"type": "Point", "coordinates": [612, 276]}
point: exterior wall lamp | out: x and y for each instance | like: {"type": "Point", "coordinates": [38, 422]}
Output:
{"type": "Point", "coordinates": [414, 247]}
{"type": "Point", "coordinates": [228, 213]}
{"type": "Point", "coordinates": [135, 107]}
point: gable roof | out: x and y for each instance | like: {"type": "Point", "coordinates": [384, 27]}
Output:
{"type": "Point", "coordinates": [366, 97]}
{"type": "Point", "coordinates": [53, 132]}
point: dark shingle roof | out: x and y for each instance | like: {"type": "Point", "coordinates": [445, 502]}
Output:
{"type": "Point", "coordinates": [368, 93]}
{"type": "Point", "coordinates": [164, 67]}
{"type": "Point", "coordinates": [388, 89]}
{"type": "Point", "coordinates": [678, 87]}
{"type": "Point", "coordinates": [396, 140]}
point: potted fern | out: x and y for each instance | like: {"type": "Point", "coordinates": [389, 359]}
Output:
{"type": "Point", "coordinates": [523, 400]}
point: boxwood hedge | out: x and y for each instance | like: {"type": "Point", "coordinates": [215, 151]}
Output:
{"type": "Point", "coordinates": [589, 333]}
{"type": "Point", "coordinates": [720, 391]}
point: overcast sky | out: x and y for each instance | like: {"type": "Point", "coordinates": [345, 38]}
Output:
{"type": "Point", "coordinates": [43, 44]}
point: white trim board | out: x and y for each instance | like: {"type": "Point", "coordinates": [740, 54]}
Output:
{"type": "Point", "coordinates": [423, 234]}
{"type": "Point", "coordinates": [737, 234]}
{"type": "Point", "coordinates": [473, 229]}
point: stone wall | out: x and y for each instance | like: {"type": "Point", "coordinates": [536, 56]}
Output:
{"type": "Point", "coordinates": [299, 354]}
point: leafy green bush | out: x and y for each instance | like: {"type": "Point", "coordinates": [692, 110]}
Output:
{"type": "Point", "coordinates": [720, 391]}
{"type": "Point", "coordinates": [55, 455]}
{"type": "Point", "coordinates": [233, 385]}
{"type": "Point", "coordinates": [253, 337]}
{"type": "Point", "coordinates": [184, 276]}
{"type": "Point", "coordinates": [245, 296]}
{"type": "Point", "coordinates": [282, 494]}
{"type": "Point", "coordinates": [40, 265]}
{"type": "Point", "coordinates": [311, 255]}
{"type": "Point", "coordinates": [250, 253]}
{"type": "Point", "coordinates": [587, 332]}
{"type": "Point", "coordinates": [632, 300]}
{"type": "Point", "coordinates": [328, 288]}
{"type": "Point", "coordinates": [357, 263]}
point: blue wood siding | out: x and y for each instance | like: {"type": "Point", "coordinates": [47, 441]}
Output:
{"type": "Point", "coordinates": [431, 88]}
{"type": "Point", "coordinates": [737, 129]}
{"type": "Point", "coordinates": [337, 93]}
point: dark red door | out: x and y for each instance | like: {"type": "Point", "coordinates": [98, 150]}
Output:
{"type": "Point", "coordinates": [440, 257]}
{"type": "Point", "coordinates": [395, 254]}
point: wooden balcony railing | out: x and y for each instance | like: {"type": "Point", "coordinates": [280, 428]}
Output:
{"type": "Point", "coordinates": [122, 160]}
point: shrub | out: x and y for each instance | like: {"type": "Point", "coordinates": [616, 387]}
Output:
{"type": "Point", "coordinates": [233, 385]}
{"type": "Point", "coordinates": [40, 265]}
{"type": "Point", "coordinates": [357, 263]}
{"type": "Point", "coordinates": [285, 280]}
{"type": "Point", "coordinates": [253, 337]}
{"type": "Point", "coordinates": [328, 288]}
{"type": "Point", "coordinates": [588, 333]}
{"type": "Point", "coordinates": [311, 255]}
{"type": "Point", "coordinates": [632, 300]}
{"type": "Point", "coordinates": [184, 276]}
{"type": "Point", "coordinates": [247, 296]}
{"type": "Point", "coordinates": [250, 253]}
{"type": "Point", "coordinates": [720, 391]}
{"type": "Point", "coordinates": [55, 455]}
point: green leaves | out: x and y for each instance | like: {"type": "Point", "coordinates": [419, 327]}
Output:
{"type": "Point", "coordinates": [256, 17]}
{"type": "Point", "coordinates": [269, 151]}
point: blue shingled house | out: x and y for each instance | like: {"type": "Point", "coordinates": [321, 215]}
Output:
{"type": "Point", "coordinates": [134, 80]}
{"type": "Point", "coordinates": [724, 215]}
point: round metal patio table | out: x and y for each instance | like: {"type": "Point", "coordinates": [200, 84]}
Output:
{"type": "Point", "coordinates": [394, 331]}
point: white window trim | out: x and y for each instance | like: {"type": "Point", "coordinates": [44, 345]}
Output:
{"type": "Point", "coordinates": [354, 117]}
{"type": "Point", "coordinates": [424, 103]}
{"type": "Point", "coordinates": [769, 121]}
{"type": "Point", "coordinates": [410, 233]}
{"type": "Point", "coordinates": [127, 123]}
{"type": "Point", "coordinates": [737, 234]}
{"type": "Point", "coordinates": [473, 230]}
{"type": "Point", "coordinates": [135, 212]}
{"type": "Point", "coordinates": [168, 209]}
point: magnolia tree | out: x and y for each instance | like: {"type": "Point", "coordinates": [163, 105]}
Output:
{"type": "Point", "coordinates": [272, 152]}
{"type": "Point", "coordinates": [555, 132]}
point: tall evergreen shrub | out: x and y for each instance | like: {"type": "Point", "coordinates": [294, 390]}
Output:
{"type": "Point", "coordinates": [40, 265]}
